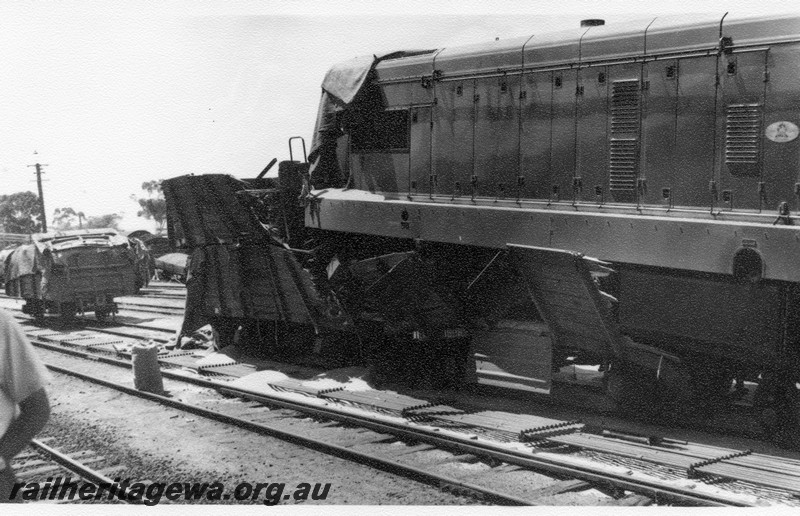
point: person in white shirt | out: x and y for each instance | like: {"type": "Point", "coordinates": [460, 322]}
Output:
{"type": "Point", "coordinates": [24, 407]}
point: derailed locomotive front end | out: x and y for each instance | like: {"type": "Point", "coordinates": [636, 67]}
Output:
{"type": "Point", "coordinates": [623, 198]}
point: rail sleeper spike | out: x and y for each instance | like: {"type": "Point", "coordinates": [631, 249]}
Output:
{"type": "Point", "coordinates": [693, 473]}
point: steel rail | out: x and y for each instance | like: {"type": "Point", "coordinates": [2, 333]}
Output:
{"type": "Point", "coordinates": [75, 466]}
{"type": "Point", "coordinates": [150, 309]}
{"type": "Point", "coordinates": [652, 489]}
{"type": "Point", "coordinates": [333, 414]}
{"type": "Point", "coordinates": [108, 331]}
{"type": "Point", "coordinates": [372, 461]}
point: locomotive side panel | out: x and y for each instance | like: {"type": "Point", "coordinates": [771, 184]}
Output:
{"type": "Point", "coordinates": [562, 160]}
{"type": "Point", "coordinates": [781, 147]}
{"type": "Point", "coordinates": [593, 135]}
{"type": "Point", "coordinates": [406, 103]}
{"type": "Point", "coordinates": [536, 136]}
{"type": "Point", "coordinates": [592, 127]}
{"type": "Point", "coordinates": [695, 131]}
{"type": "Point", "coordinates": [740, 126]}
{"type": "Point", "coordinates": [452, 142]}
{"type": "Point", "coordinates": [659, 121]}
{"type": "Point", "coordinates": [380, 172]}
{"type": "Point", "coordinates": [420, 149]}
{"type": "Point", "coordinates": [496, 135]}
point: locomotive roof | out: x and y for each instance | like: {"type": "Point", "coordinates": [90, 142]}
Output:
{"type": "Point", "coordinates": [662, 35]}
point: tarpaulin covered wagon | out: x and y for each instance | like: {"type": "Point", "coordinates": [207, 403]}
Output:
{"type": "Point", "coordinates": [71, 272]}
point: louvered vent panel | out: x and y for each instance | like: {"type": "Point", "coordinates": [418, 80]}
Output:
{"type": "Point", "coordinates": [623, 165]}
{"type": "Point", "coordinates": [742, 138]}
{"type": "Point", "coordinates": [625, 107]}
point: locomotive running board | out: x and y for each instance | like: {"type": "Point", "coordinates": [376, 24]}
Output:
{"type": "Point", "coordinates": [577, 312]}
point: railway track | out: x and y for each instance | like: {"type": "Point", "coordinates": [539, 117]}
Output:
{"type": "Point", "coordinates": [624, 464]}
{"type": "Point", "coordinates": [55, 473]}
{"type": "Point", "coordinates": [376, 447]}
{"type": "Point", "coordinates": [675, 461]}
{"type": "Point", "coordinates": [172, 306]}
{"type": "Point", "coordinates": [159, 329]}
{"type": "Point", "coordinates": [164, 291]}
{"type": "Point", "coordinates": [151, 305]}
{"type": "Point", "coordinates": [569, 389]}
{"type": "Point", "coordinates": [157, 298]}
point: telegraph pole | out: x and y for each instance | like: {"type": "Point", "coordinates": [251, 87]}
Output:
{"type": "Point", "coordinates": [41, 195]}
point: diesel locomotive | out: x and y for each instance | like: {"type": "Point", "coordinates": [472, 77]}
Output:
{"type": "Point", "coordinates": [625, 198]}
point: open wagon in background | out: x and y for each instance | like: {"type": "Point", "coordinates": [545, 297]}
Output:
{"type": "Point", "coordinates": [69, 272]}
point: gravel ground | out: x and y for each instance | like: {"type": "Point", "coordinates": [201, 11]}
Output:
{"type": "Point", "coordinates": [175, 445]}
{"type": "Point", "coordinates": [160, 444]}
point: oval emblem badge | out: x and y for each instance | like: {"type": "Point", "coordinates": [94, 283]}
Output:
{"type": "Point", "coordinates": [782, 132]}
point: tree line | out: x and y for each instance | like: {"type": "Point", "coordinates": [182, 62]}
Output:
{"type": "Point", "coordinates": [21, 212]}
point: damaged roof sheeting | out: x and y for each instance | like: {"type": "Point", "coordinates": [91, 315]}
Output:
{"type": "Point", "coordinates": [204, 210]}
{"type": "Point", "coordinates": [58, 240]}
{"type": "Point", "coordinates": [342, 88]}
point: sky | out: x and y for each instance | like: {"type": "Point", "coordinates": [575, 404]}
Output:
{"type": "Point", "coordinates": [112, 94]}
